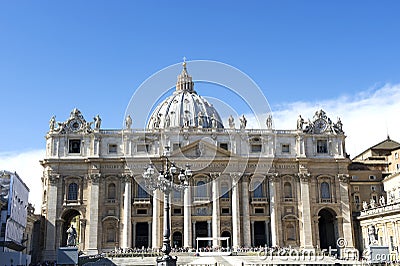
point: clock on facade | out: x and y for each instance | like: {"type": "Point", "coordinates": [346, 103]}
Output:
{"type": "Point", "coordinates": [320, 125]}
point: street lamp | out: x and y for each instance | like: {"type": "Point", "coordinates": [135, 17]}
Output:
{"type": "Point", "coordinates": [164, 181]}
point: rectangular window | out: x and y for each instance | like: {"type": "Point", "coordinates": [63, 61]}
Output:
{"type": "Point", "coordinates": [143, 148]}
{"type": "Point", "coordinates": [177, 211]}
{"type": "Point", "coordinates": [223, 146]}
{"type": "Point", "coordinates": [225, 210]}
{"type": "Point", "coordinates": [322, 146]}
{"type": "Point", "coordinates": [141, 211]}
{"type": "Point", "coordinates": [285, 148]}
{"type": "Point", "coordinates": [356, 188]}
{"type": "Point", "coordinates": [256, 148]}
{"type": "Point", "coordinates": [396, 155]}
{"type": "Point", "coordinates": [74, 146]}
{"type": "Point", "coordinates": [112, 148]}
{"type": "Point", "coordinates": [354, 177]}
{"type": "Point", "coordinates": [373, 188]}
{"type": "Point", "coordinates": [259, 210]}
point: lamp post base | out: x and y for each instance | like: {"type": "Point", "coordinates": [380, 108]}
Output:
{"type": "Point", "coordinates": [166, 260]}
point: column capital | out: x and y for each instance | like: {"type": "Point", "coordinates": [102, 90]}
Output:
{"type": "Point", "coordinates": [54, 178]}
{"type": "Point", "coordinates": [235, 177]}
{"type": "Point", "coordinates": [94, 178]}
{"type": "Point", "coordinates": [343, 178]}
{"type": "Point", "coordinates": [215, 175]}
{"type": "Point", "coordinates": [304, 177]}
{"type": "Point", "coordinates": [273, 177]}
{"type": "Point", "coordinates": [126, 178]}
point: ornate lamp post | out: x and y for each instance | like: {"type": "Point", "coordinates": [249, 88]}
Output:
{"type": "Point", "coordinates": [164, 181]}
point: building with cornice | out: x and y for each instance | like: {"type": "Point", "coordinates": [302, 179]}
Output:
{"type": "Point", "coordinates": [258, 187]}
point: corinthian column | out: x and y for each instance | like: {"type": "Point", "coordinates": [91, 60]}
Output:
{"type": "Point", "coordinates": [306, 236]}
{"type": "Point", "coordinates": [246, 212]}
{"type": "Point", "coordinates": [187, 218]}
{"type": "Point", "coordinates": [93, 215]}
{"type": "Point", "coordinates": [215, 210]}
{"type": "Point", "coordinates": [50, 243]}
{"type": "Point", "coordinates": [346, 212]}
{"type": "Point", "coordinates": [273, 208]}
{"type": "Point", "coordinates": [156, 232]}
{"type": "Point", "coordinates": [235, 211]}
{"type": "Point", "coordinates": [127, 225]}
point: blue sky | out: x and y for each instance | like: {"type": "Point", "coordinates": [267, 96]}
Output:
{"type": "Point", "coordinates": [57, 55]}
{"type": "Point", "coordinates": [342, 56]}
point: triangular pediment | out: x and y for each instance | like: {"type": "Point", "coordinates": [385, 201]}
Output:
{"type": "Point", "coordinates": [201, 148]}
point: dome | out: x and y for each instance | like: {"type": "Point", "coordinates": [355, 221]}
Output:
{"type": "Point", "coordinates": [184, 108]}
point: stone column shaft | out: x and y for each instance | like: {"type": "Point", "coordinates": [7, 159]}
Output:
{"type": "Point", "coordinates": [127, 229]}
{"type": "Point", "coordinates": [50, 245]}
{"type": "Point", "coordinates": [346, 212]}
{"type": "Point", "coordinates": [272, 210]}
{"type": "Point", "coordinates": [156, 232]}
{"type": "Point", "coordinates": [235, 216]}
{"type": "Point", "coordinates": [215, 213]}
{"type": "Point", "coordinates": [93, 215]}
{"type": "Point", "coordinates": [306, 238]}
{"type": "Point", "coordinates": [187, 218]}
{"type": "Point", "coordinates": [246, 213]}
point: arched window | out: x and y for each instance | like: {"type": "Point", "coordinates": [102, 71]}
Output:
{"type": "Point", "coordinates": [111, 191]}
{"type": "Point", "coordinates": [142, 193]}
{"type": "Point", "coordinates": [287, 190]}
{"type": "Point", "coordinates": [201, 190]}
{"type": "Point", "coordinates": [258, 190]}
{"type": "Point", "coordinates": [224, 191]}
{"type": "Point", "coordinates": [325, 191]}
{"type": "Point", "coordinates": [73, 191]}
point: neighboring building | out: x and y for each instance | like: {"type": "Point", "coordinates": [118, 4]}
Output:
{"type": "Point", "coordinates": [384, 216]}
{"type": "Point", "coordinates": [376, 184]}
{"type": "Point", "coordinates": [33, 239]}
{"type": "Point", "coordinates": [257, 186]}
{"type": "Point", "coordinates": [379, 157]}
{"type": "Point", "coordinates": [13, 217]}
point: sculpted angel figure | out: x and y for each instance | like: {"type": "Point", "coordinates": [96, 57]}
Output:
{"type": "Point", "coordinates": [128, 122]}
{"type": "Point", "coordinates": [231, 122]}
{"type": "Point", "coordinates": [243, 122]}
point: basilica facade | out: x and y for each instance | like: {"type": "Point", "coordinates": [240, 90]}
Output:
{"type": "Point", "coordinates": [253, 187]}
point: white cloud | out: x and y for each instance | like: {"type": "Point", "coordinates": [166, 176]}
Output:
{"type": "Point", "coordinates": [27, 166]}
{"type": "Point", "coordinates": [367, 117]}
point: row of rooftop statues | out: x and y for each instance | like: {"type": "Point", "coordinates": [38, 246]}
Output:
{"type": "Point", "coordinates": [373, 204]}
{"type": "Point", "coordinates": [308, 127]}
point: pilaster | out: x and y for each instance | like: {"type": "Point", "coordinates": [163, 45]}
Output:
{"type": "Point", "coordinates": [50, 242]}
{"type": "Point", "coordinates": [93, 220]}
{"type": "Point", "coordinates": [306, 236]}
